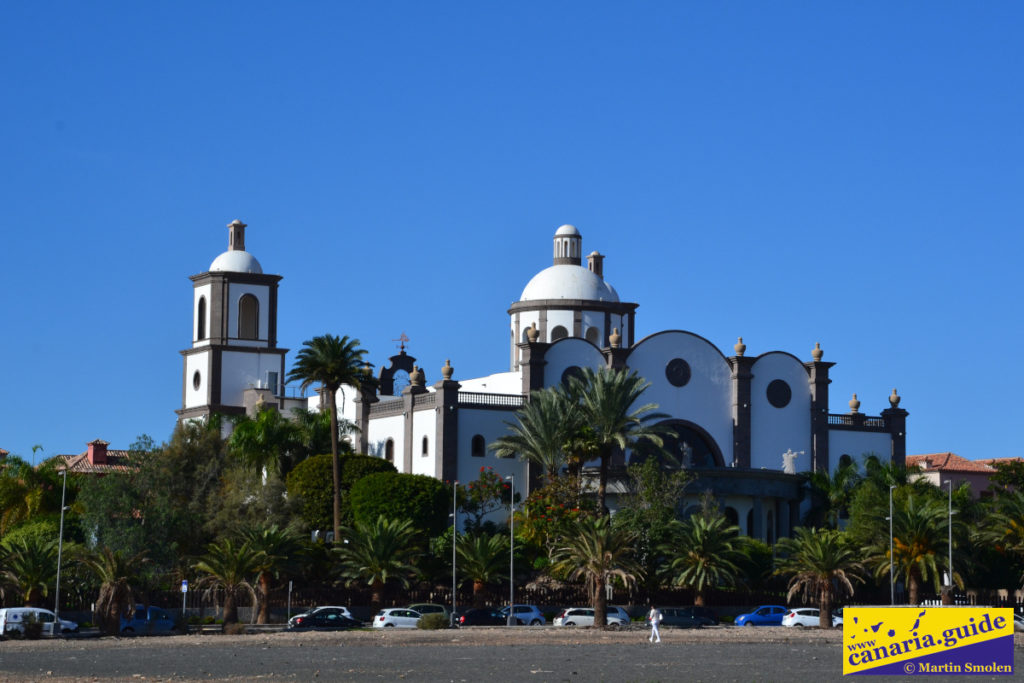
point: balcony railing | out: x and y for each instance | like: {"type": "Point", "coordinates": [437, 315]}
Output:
{"type": "Point", "coordinates": [478, 399]}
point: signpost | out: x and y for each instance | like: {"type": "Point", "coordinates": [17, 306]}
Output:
{"type": "Point", "coordinates": [184, 592]}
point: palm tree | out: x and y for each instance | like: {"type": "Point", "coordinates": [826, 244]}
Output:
{"type": "Point", "coordinates": [546, 423]}
{"type": "Point", "coordinates": [606, 399]}
{"type": "Point", "coordinates": [822, 564]}
{"type": "Point", "coordinates": [26, 491]}
{"type": "Point", "coordinates": [1004, 527]}
{"type": "Point", "coordinates": [378, 553]}
{"type": "Point", "coordinates": [831, 493]}
{"type": "Point", "coordinates": [920, 537]}
{"type": "Point", "coordinates": [266, 442]}
{"type": "Point", "coordinates": [279, 548]}
{"type": "Point", "coordinates": [331, 361]}
{"type": "Point", "coordinates": [705, 551]}
{"type": "Point", "coordinates": [483, 559]}
{"type": "Point", "coordinates": [229, 567]}
{"type": "Point", "coordinates": [116, 571]}
{"type": "Point", "coordinates": [596, 551]}
{"type": "Point", "coordinates": [30, 567]}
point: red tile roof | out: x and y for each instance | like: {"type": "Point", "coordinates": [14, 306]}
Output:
{"type": "Point", "coordinates": [117, 461]}
{"type": "Point", "coordinates": [997, 461]}
{"type": "Point", "coordinates": [948, 462]}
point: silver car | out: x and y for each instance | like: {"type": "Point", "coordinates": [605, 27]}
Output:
{"type": "Point", "coordinates": [584, 616]}
{"type": "Point", "coordinates": [396, 617]}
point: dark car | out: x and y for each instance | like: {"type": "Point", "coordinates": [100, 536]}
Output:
{"type": "Point", "coordinates": [145, 621]}
{"type": "Point", "coordinates": [482, 617]}
{"type": "Point", "coordinates": [679, 617]}
{"type": "Point", "coordinates": [705, 615]}
{"type": "Point", "coordinates": [324, 619]}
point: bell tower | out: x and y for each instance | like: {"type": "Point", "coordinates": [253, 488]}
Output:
{"type": "Point", "coordinates": [234, 335]}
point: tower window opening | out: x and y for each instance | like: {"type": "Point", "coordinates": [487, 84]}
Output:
{"type": "Point", "coordinates": [201, 319]}
{"type": "Point", "coordinates": [426, 445]}
{"type": "Point", "coordinates": [248, 317]}
{"type": "Point", "coordinates": [559, 332]}
{"type": "Point", "coordinates": [389, 451]}
{"type": "Point", "coordinates": [479, 446]}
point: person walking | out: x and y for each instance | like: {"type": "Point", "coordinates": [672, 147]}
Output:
{"type": "Point", "coordinates": [655, 618]}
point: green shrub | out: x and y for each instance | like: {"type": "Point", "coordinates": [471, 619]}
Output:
{"type": "Point", "coordinates": [33, 627]}
{"type": "Point", "coordinates": [418, 498]}
{"type": "Point", "coordinates": [432, 621]}
{"type": "Point", "coordinates": [312, 484]}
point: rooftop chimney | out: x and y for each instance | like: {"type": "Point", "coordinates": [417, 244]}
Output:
{"type": "Point", "coordinates": [98, 452]}
{"type": "Point", "coordinates": [236, 235]}
{"type": "Point", "coordinates": [595, 264]}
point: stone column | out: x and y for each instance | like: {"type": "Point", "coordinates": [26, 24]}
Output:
{"type": "Point", "coordinates": [446, 461]}
{"type": "Point", "coordinates": [409, 395]}
{"type": "Point", "coordinates": [896, 421]}
{"type": "Point", "coordinates": [532, 364]}
{"type": "Point", "coordinates": [741, 411]}
{"type": "Point", "coordinates": [817, 373]}
{"type": "Point", "coordinates": [758, 530]}
{"type": "Point", "coordinates": [367, 397]}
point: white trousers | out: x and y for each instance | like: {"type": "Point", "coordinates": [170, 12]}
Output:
{"type": "Point", "coordinates": [654, 632]}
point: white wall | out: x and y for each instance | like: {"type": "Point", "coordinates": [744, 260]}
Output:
{"type": "Point", "coordinates": [197, 362]}
{"type": "Point", "coordinates": [499, 383]}
{"type": "Point", "coordinates": [424, 424]}
{"type": "Point", "coordinates": [380, 430]}
{"type": "Point", "coordinates": [563, 318]}
{"type": "Point", "coordinates": [262, 294]}
{"type": "Point", "coordinates": [706, 400]}
{"type": "Point", "coordinates": [567, 353]}
{"type": "Point", "coordinates": [240, 371]}
{"type": "Point", "coordinates": [201, 292]}
{"type": "Point", "coordinates": [773, 430]}
{"type": "Point", "coordinates": [856, 444]}
{"type": "Point", "coordinates": [491, 425]}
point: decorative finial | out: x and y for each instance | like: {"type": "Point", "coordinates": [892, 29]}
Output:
{"type": "Point", "coordinates": [447, 370]}
{"type": "Point", "coordinates": [367, 369]}
{"type": "Point", "coordinates": [817, 353]}
{"type": "Point", "coordinates": [237, 224]}
{"type": "Point", "coordinates": [894, 399]}
{"type": "Point", "coordinates": [532, 333]}
{"type": "Point", "coordinates": [854, 405]}
{"type": "Point", "coordinates": [615, 339]}
{"type": "Point", "coordinates": [416, 376]}
{"type": "Point", "coordinates": [740, 347]}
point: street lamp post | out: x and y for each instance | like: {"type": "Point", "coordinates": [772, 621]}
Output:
{"type": "Point", "coordinates": [455, 535]}
{"type": "Point", "coordinates": [892, 581]}
{"type": "Point", "coordinates": [511, 548]}
{"type": "Point", "coordinates": [949, 482]}
{"type": "Point", "coordinates": [60, 550]}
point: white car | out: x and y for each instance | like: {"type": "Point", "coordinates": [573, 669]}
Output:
{"type": "Point", "coordinates": [584, 616]}
{"type": "Point", "coordinates": [13, 618]}
{"type": "Point", "coordinates": [396, 617]}
{"type": "Point", "coordinates": [805, 616]}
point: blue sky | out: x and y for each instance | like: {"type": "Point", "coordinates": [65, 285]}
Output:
{"type": "Point", "coordinates": [843, 173]}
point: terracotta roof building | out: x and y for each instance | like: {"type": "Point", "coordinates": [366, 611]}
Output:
{"type": "Point", "coordinates": [941, 467]}
{"type": "Point", "coordinates": [98, 460]}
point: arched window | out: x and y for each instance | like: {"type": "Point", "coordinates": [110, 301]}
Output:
{"type": "Point", "coordinates": [591, 335]}
{"type": "Point", "coordinates": [201, 322]}
{"type": "Point", "coordinates": [750, 523]}
{"type": "Point", "coordinates": [248, 317]}
{"type": "Point", "coordinates": [389, 451]}
{"type": "Point", "coordinates": [731, 516]}
{"type": "Point", "coordinates": [559, 332]}
{"type": "Point", "coordinates": [426, 445]}
{"type": "Point", "coordinates": [478, 447]}
{"type": "Point", "coordinates": [845, 460]}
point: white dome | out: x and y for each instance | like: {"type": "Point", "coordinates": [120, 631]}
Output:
{"type": "Point", "coordinates": [568, 282]}
{"type": "Point", "coordinates": [567, 230]}
{"type": "Point", "coordinates": [236, 262]}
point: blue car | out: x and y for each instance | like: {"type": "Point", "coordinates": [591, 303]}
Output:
{"type": "Point", "coordinates": [765, 615]}
{"type": "Point", "coordinates": [143, 621]}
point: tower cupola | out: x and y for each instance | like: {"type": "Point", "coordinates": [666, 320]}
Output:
{"type": "Point", "coordinates": [568, 246]}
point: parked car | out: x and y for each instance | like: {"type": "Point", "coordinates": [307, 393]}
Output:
{"type": "Point", "coordinates": [481, 617]}
{"type": "Point", "coordinates": [431, 608]}
{"type": "Point", "coordinates": [806, 616]}
{"type": "Point", "coordinates": [145, 621]}
{"type": "Point", "coordinates": [324, 619]}
{"type": "Point", "coordinates": [298, 619]}
{"type": "Point", "coordinates": [526, 614]}
{"type": "Point", "coordinates": [678, 617]}
{"type": "Point", "coordinates": [396, 617]}
{"type": "Point", "coordinates": [1018, 622]}
{"type": "Point", "coordinates": [584, 616]}
{"type": "Point", "coordinates": [837, 617]}
{"type": "Point", "coordinates": [765, 615]}
{"type": "Point", "coordinates": [619, 612]}
{"type": "Point", "coordinates": [705, 615]}
{"type": "Point", "coordinates": [12, 619]}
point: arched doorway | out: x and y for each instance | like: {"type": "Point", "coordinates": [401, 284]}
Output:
{"type": "Point", "coordinates": [685, 445]}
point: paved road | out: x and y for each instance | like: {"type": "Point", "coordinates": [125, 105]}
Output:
{"type": "Point", "coordinates": [409, 657]}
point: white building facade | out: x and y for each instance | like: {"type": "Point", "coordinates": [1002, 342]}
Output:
{"type": "Point", "coordinates": [733, 416]}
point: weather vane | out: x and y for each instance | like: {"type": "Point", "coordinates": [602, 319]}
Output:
{"type": "Point", "coordinates": [401, 339]}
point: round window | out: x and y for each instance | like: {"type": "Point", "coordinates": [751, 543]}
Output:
{"type": "Point", "coordinates": [195, 380]}
{"type": "Point", "coordinates": [571, 372]}
{"type": "Point", "coordinates": [677, 372]}
{"type": "Point", "coordinates": [779, 393]}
